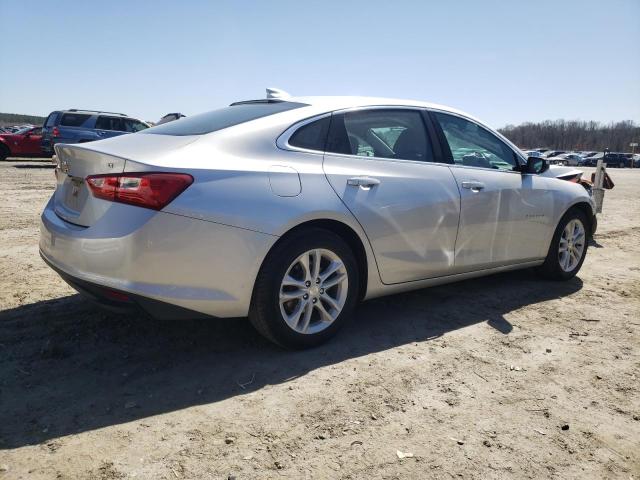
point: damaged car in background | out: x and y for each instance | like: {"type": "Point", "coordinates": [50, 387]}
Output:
{"type": "Point", "coordinates": [292, 210]}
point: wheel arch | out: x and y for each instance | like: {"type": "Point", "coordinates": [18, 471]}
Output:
{"type": "Point", "coordinates": [5, 150]}
{"type": "Point", "coordinates": [584, 207]}
{"type": "Point", "coordinates": [344, 231]}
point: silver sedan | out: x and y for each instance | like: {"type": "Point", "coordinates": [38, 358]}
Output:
{"type": "Point", "coordinates": [292, 210]}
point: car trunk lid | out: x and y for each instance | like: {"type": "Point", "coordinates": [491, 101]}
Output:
{"type": "Point", "coordinates": [73, 199]}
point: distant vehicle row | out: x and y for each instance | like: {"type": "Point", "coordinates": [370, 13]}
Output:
{"type": "Point", "coordinates": [586, 159]}
{"type": "Point", "coordinates": [69, 126]}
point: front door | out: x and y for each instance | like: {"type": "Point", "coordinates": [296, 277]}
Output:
{"type": "Point", "coordinates": [30, 144]}
{"type": "Point", "coordinates": [505, 216]}
{"type": "Point", "coordinates": [381, 164]}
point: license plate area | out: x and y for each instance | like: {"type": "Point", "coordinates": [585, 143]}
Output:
{"type": "Point", "coordinates": [75, 193]}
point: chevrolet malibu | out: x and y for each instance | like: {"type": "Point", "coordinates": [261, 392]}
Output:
{"type": "Point", "coordinates": [292, 210]}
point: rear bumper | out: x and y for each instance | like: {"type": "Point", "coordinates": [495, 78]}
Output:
{"type": "Point", "coordinates": [152, 256]}
{"type": "Point", "coordinates": [124, 302]}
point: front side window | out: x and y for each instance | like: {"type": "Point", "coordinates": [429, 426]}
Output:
{"type": "Point", "coordinates": [73, 119]}
{"type": "Point", "coordinates": [384, 133]}
{"type": "Point", "coordinates": [131, 125]}
{"type": "Point", "coordinates": [473, 146]}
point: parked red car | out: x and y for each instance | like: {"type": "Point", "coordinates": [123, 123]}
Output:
{"type": "Point", "coordinates": [23, 143]}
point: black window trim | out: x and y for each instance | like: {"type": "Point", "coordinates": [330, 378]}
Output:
{"type": "Point", "coordinates": [282, 141]}
{"type": "Point", "coordinates": [441, 151]}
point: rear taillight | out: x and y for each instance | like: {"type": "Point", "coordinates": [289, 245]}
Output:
{"type": "Point", "coordinates": [148, 190]}
{"type": "Point", "coordinates": [55, 132]}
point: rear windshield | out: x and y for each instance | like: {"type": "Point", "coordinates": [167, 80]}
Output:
{"type": "Point", "coordinates": [223, 118]}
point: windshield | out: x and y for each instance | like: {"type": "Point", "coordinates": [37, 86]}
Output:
{"type": "Point", "coordinates": [23, 130]}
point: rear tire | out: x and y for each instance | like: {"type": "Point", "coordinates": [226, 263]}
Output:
{"type": "Point", "coordinates": [568, 247]}
{"type": "Point", "coordinates": [299, 302]}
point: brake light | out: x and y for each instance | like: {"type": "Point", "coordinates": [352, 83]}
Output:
{"type": "Point", "coordinates": [148, 190]}
{"type": "Point", "coordinates": [55, 132]}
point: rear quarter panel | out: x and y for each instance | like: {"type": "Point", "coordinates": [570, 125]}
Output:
{"type": "Point", "coordinates": [235, 171]}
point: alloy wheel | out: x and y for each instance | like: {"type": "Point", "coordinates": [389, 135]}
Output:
{"type": "Point", "coordinates": [313, 291]}
{"type": "Point", "coordinates": [572, 244]}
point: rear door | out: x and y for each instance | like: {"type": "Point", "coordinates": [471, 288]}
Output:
{"type": "Point", "coordinates": [31, 142]}
{"type": "Point", "coordinates": [505, 215]}
{"type": "Point", "coordinates": [381, 163]}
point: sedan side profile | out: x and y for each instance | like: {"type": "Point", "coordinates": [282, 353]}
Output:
{"type": "Point", "coordinates": [24, 142]}
{"type": "Point", "coordinates": [292, 210]}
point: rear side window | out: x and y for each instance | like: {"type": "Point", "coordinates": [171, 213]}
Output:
{"type": "Point", "coordinates": [382, 133]}
{"type": "Point", "coordinates": [51, 120]}
{"type": "Point", "coordinates": [110, 123]}
{"type": "Point", "coordinates": [222, 118]}
{"type": "Point", "coordinates": [73, 119]}
{"type": "Point", "coordinates": [311, 136]}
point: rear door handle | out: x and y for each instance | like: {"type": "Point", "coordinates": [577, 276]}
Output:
{"type": "Point", "coordinates": [473, 185]}
{"type": "Point", "coordinates": [366, 182]}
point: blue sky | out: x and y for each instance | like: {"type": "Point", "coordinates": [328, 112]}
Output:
{"type": "Point", "coordinates": [502, 61]}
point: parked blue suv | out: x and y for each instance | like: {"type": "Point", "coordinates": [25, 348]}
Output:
{"type": "Point", "coordinates": [79, 126]}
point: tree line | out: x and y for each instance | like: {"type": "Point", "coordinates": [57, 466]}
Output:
{"type": "Point", "coordinates": [574, 135]}
{"type": "Point", "coordinates": [18, 119]}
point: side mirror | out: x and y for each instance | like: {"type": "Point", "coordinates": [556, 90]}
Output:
{"type": "Point", "coordinates": [536, 165]}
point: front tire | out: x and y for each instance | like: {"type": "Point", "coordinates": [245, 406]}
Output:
{"type": "Point", "coordinates": [306, 289]}
{"type": "Point", "coordinates": [568, 247]}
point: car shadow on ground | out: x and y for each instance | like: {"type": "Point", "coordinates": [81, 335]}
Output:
{"type": "Point", "coordinates": [67, 367]}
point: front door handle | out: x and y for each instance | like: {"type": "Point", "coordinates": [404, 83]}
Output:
{"type": "Point", "coordinates": [473, 186]}
{"type": "Point", "coordinates": [366, 182]}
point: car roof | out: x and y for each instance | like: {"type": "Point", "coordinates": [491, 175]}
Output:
{"type": "Point", "coordinates": [344, 102]}
{"type": "Point", "coordinates": [331, 103]}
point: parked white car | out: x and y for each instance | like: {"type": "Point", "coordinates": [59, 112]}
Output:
{"type": "Point", "coordinates": [566, 159]}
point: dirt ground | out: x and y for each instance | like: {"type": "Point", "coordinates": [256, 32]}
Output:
{"type": "Point", "coordinates": [501, 377]}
